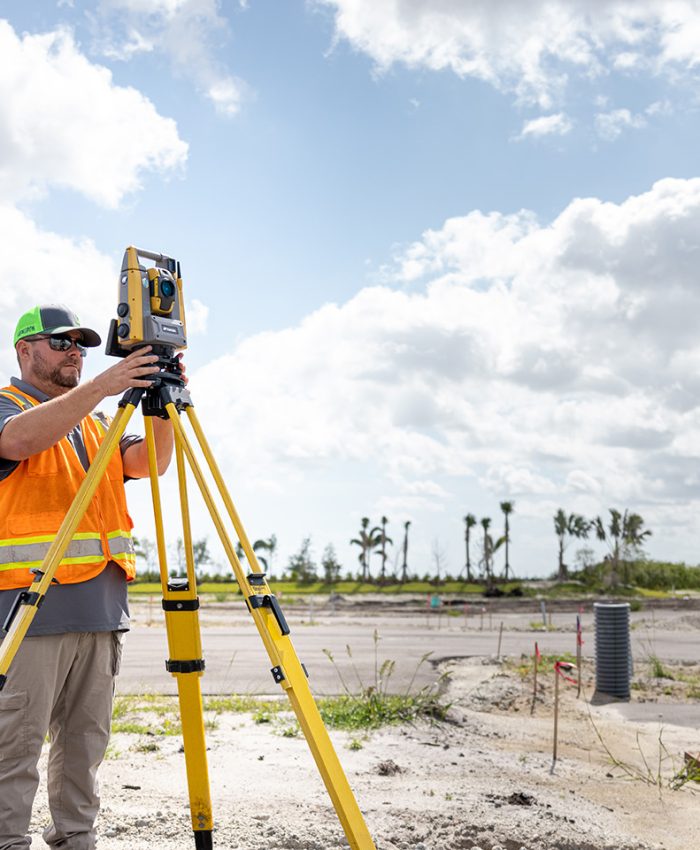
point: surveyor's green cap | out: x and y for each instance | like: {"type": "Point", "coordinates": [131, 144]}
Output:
{"type": "Point", "coordinates": [53, 319]}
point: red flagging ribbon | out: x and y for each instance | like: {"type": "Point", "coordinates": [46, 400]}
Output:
{"type": "Point", "coordinates": [560, 666]}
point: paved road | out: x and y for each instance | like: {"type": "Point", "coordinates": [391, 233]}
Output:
{"type": "Point", "coordinates": [237, 663]}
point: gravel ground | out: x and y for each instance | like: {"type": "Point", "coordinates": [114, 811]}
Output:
{"type": "Point", "coordinates": [484, 779]}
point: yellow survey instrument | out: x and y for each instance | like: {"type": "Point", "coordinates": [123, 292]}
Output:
{"type": "Point", "coordinates": [151, 309]}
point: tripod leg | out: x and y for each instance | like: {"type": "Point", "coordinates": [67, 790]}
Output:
{"type": "Point", "coordinates": [28, 601]}
{"type": "Point", "coordinates": [287, 670]}
{"type": "Point", "coordinates": [186, 664]}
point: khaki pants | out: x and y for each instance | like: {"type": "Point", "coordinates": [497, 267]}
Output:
{"type": "Point", "coordinates": [63, 684]}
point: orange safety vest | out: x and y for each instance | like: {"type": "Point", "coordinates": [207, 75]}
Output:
{"type": "Point", "coordinates": [36, 496]}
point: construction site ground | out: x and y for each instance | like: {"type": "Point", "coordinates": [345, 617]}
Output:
{"type": "Point", "coordinates": [483, 778]}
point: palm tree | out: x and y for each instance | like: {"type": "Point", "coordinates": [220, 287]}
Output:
{"type": "Point", "coordinates": [271, 546]}
{"type": "Point", "coordinates": [624, 536]}
{"type": "Point", "coordinates": [382, 540]}
{"type": "Point", "coordinates": [573, 525]}
{"type": "Point", "coordinates": [488, 550]}
{"type": "Point", "coordinates": [268, 546]}
{"type": "Point", "coordinates": [507, 508]}
{"type": "Point", "coordinates": [469, 523]}
{"type": "Point", "coordinates": [259, 546]}
{"type": "Point", "coordinates": [366, 540]}
{"type": "Point", "coordinates": [404, 566]}
{"type": "Point", "coordinates": [611, 536]}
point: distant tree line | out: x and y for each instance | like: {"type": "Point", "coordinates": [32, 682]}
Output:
{"type": "Point", "coordinates": [379, 561]}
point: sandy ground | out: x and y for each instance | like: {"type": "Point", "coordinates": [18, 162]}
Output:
{"type": "Point", "coordinates": [483, 779]}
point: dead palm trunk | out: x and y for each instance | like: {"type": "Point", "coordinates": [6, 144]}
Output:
{"type": "Point", "coordinates": [404, 566]}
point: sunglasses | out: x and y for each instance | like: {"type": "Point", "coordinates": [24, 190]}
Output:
{"type": "Point", "coordinates": [57, 342]}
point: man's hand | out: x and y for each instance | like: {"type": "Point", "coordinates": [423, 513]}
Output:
{"type": "Point", "coordinates": [40, 427]}
{"type": "Point", "coordinates": [135, 458]}
{"type": "Point", "coordinates": [182, 368]}
{"type": "Point", "coordinates": [133, 371]}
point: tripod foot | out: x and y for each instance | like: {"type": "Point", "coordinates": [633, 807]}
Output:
{"type": "Point", "coordinates": [202, 840]}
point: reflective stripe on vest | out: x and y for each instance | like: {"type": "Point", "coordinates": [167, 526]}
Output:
{"type": "Point", "coordinates": [120, 543]}
{"type": "Point", "coordinates": [24, 403]}
{"type": "Point", "coordinates": [31, 551]}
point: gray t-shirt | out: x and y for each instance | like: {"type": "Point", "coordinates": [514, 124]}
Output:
{"type": "Point", "coordinates": [97, 605]}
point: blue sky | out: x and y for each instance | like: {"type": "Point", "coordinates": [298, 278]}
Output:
{"type": "Point", "coordinates": [438, 255]}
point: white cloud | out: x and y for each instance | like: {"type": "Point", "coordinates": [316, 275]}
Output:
{"type": "Point", "coordinates": [65, 123]}
{"type": "Point", "coordinates": [133, 44]}
{"type": "Point", "coordinates": [557, 124]}
{"type": "Point", "coordinates": [659, 107]}
{"type": "Point", "coordinates": [225, 94]}
{"type": "Point", "coordinates": [536, 359]}
{"type": "Point", "coordinates": [41, 268]}
{"type": "Point", "coordinates": [186, 31]}
{"type": "Point", "coordinates": [196, 315]}
{"type": "Point", "coordinates": [610, 125]}
{"type": "Point", "coordinates": [528, 47]}
{"type": "Point", "coordinates": [628, 61]}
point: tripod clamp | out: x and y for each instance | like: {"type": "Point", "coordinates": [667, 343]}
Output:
{"type": "Point", "coordinates": [167, 387]}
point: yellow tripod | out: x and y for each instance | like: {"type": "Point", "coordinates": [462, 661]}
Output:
{"type": "Point", "coordinates": [168, 398]}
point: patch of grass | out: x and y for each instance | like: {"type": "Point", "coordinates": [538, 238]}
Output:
{"type": "Point", "coordinates": [132, 728]}
{"type": "Point", "coordinates": [147, 747]}
{"type": "Point", "coordinates": [157, 704]}
{"type": "Point", "coordinates": [112, 753]}
{"type": "Point", "coordinates": [372, 706]}
{"type": "Point", "coordinates": [266, 713]}
{"type": "Point", "coordinates": [691, 679]}
{"type": "Point", "coordinates": [232, 704]}
{"type": "Point", "coordinates": [355, 744]}
{"type": "Point", "coordinates": [169, 727]}
{"type": "Point", "coordinates": [123, 706]}
{"type": "Point", "coordinates": [650, 593]}
{"type": "Point", "coordinates": [688, 773]}
{"type": "Point", "coordinates": [376, 710]}
{"type": "Point", "coordinates": [658, 671]}
{"type": "Point", "coordinates": [146, 588]}
{"type": "Point", "coordinates": [539, 626]}
{"type": "Point", "coordinates": [525, 665]}
{"type": "Point", "coordinates": [146, 714]}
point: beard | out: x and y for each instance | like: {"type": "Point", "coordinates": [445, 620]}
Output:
{"type": "Point", "coordinates": [54, 375]}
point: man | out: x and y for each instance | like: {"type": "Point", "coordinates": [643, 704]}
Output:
{"type": "Point", "coordinates": [62, 677]}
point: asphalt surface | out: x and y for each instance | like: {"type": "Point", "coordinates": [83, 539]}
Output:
{"type": "Point", "coordinates": [236, 661]}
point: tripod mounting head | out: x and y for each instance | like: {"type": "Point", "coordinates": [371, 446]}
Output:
{"type": "Point", "coordinates": [151, 309]}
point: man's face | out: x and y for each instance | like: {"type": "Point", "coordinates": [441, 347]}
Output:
{"type": "Point", "coordinates": [56, 369]}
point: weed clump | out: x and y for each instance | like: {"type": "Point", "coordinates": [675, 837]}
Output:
{"type": "Point", "coordinates": [372, 706]}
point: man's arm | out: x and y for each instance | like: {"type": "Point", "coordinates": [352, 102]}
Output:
{"type": "Point", "coordinates": [41, 427]}
{"type": "Point", "coordinates": [135, 457]}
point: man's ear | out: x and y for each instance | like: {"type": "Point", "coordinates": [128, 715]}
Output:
{"type": "Point", "coordinates": [22, 349]}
